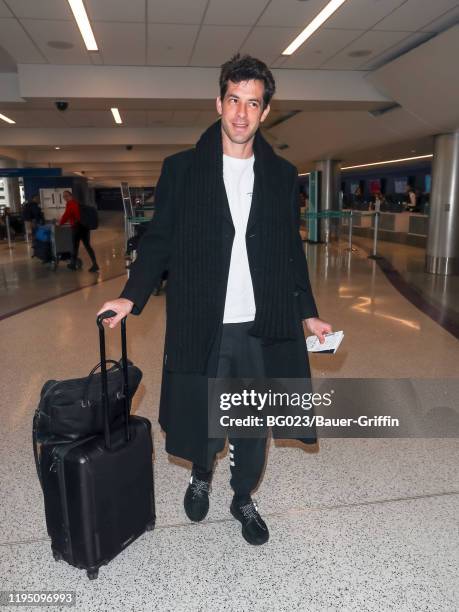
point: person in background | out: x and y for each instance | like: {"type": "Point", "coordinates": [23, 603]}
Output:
{"type": "Point", "coordinates": [411, 199]}
{"type": "Point", "coordinates": [379, 201]}
{"type": "Point", "coordinates": [358, 197]}
{"type": "Point", "coordinates": [79, 231]}
{"type": "Point", "coordinates": [32, 215]}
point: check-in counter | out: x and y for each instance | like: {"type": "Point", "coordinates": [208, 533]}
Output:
{"type": "Point", "coordinates": [404, 227]}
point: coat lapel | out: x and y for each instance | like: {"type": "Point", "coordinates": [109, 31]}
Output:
{"type": "Point", "coordinates": [254, 206]}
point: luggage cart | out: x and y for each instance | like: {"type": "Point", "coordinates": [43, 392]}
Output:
{"type": "Point", "coordinates": [62, 245]}
{"type": "Point", "coordinates": [133, 219]}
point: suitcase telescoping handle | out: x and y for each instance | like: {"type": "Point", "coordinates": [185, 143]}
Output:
{"type": "Point", "coordinates": [106, 315]}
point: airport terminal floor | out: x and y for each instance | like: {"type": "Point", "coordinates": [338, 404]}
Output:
{"type": "Point", "coordinates": [355, 524]}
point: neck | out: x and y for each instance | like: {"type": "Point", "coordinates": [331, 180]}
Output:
{"type": "Point", "coordinates": [234, 149]}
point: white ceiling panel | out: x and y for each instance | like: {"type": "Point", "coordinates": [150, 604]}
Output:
{"type": "Point", "coordinates": [176, 11]}
{"type": "Point", "coordinates": [40, 9]}
{"type": "Point", "coordinates": [361, 14]}
{"type": "Point", "coordinates": [236, 12]}
{"type": "Point", "coordinates": [374, 41]}
{"type": "Point", "coordinates": [268, 43]}
{"type": "Point", "coordinates": [320, 47]}
{"type": "Point", "coordinates": [170, 45]}
{"type": "Point", "coordinates": [444, 22]}
{"type": "Point", "coordinates": [116, 10]}
{"type": "Point", "coordinates": [401, 123]}
{"type": "Point", "coordinates": [134, 118]}
{"type": "Point", "coordinates": [415, 14]}
{"type": "Point", "coordinates": [7, 63]}
{"type": "Point", "coordinates": [121, 44]}
{"type": "Point", "coordinates": [36, 118]}
{"type": "Point", "coordinates": [291, 13]}
{"type": "Point", "coordinates": [89, 118]}
{"type": "Point", "coordinates": [185, 117]}
{"type": "Point", "coordinates": [216, 44]}
{"type": "Point", "coordinates": [43, 31]}
{"type": "Point", "coordinates": [159, 117]}
{"type": "Point", "coordinates": [395, 51]}
{"type": "Point", "coordinates": [4, 11]}
{"type": "Point", "coordinates": [16, 42]}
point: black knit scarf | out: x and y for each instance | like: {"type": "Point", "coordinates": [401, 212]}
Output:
{"type": "Point", "coordinates": [200, 278]}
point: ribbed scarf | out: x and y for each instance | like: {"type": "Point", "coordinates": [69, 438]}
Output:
{"type": "Point", "coordinates": [200, 281]}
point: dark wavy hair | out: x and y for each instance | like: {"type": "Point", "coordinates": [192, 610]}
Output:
{"type": "Point", "coordinates": [244, 68]}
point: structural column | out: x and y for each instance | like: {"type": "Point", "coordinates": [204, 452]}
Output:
{"type": "Point", "coordinates": [442, 252]}
{"type": "Point", "coordinates": [330, 185]}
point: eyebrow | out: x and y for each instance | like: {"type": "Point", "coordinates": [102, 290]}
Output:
{"type": "Point", "coordinates": [230, 95]}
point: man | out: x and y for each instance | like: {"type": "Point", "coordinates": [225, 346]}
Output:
{"type": "Point", "coordinates": [32, 215]}
{"type": "Point", "coordinates": [79, 232]}
{"type": "Point", "coordinates": [238, 283]}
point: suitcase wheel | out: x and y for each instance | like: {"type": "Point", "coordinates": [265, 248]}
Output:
{"type": "Point", "coordinates": [57, 555]}
{"type": "Point", "coordinates": [92, 574]}
{"type": "Point", "coordinates": [150, 526]}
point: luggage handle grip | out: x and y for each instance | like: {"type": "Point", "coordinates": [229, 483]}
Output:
{"type": "Point", "coordinates": [103, 363]}
{"type": "Point", "coordinates": [85, 400]}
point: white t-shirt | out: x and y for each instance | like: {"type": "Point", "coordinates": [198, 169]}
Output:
{"type": "Point", "coordinates": [238, 178]}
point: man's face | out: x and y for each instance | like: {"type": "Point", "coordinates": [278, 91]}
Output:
{"type": "Point", "coordinates": [241, 110]}
{"type": "Point", "coordinates": [67, 196]}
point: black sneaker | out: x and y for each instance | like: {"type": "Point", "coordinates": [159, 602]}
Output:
{"type": "Point", "coordinates": [254, 529]}
{"type": "Point", "coordinates": [196, 500]}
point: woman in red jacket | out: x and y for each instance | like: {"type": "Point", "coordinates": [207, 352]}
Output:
{"type": "Point", "coordinates": [79, 231]}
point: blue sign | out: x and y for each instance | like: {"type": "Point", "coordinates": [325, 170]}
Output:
{"type": "Point", "coordinates": [30, 172]}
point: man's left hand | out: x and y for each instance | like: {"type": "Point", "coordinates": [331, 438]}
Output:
{"type": "Point", "coordinates": [317, 327]}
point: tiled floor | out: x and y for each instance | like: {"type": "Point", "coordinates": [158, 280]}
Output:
{"type": "Point", "coordinates": [360, 524]}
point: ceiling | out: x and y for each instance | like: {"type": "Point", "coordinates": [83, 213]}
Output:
{"type": "Point", "coordinates": [363, 37]}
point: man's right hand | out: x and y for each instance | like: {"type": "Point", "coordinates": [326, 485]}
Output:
{"type": "Point", "coordinates": [121, 306]}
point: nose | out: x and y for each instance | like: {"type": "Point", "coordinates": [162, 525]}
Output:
{"type": "Point", "coordinates": [242, 110]}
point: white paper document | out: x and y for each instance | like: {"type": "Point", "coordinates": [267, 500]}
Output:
{"type": "Point", "coordinates": [331, 344]}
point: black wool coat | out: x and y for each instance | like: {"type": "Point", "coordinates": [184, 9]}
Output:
{"type": "Point", "coordinates": [183, 403]}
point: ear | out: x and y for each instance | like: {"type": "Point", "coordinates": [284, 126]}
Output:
{"type": "Point", "coordinates": [265, 113]}
{"type": "Point", "coordinates": [218, 104]}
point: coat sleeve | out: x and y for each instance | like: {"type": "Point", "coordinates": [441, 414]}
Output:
{"type": "Point", "coordinates": [303, 289]}
{"type": "Point", "coordinates": [154, 248]}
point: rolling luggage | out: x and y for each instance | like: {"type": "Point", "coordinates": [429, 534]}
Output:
{"type": "Point", "coordinates": [99, 491]}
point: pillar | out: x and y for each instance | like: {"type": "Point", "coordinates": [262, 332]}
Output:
{"type": "Point", "coordinates": [330, 187]}
{"type": "Point", "coordinates": [442, 251]}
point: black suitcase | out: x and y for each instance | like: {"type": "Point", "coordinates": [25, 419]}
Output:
{"type": "Point", "coordinates": [99, 491]}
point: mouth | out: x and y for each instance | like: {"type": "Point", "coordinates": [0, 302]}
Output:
{"type": "Point", "coordinates": [240, 126]}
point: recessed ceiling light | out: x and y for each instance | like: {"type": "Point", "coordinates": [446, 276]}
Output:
{"type": "Point", "coordinates": [315, 24]}
{"type": "Point", "coordinates": [57, 148]}
{"type": "Point", "coordinates": [7, 119]}
{"type": "Point", "coordinates": [81, 17]}
{"type": "Point", "coordinates": [116, 115]}
{"type": "Point", "coordinates": [360, 53]}
{"type": "Point", "coordinates": [59, 44]}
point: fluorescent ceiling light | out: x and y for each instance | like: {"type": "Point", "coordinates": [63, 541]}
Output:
{"type": "Point", "coordinates": [389, 161]}
{"type": "Point", "coordinates": [315, 24]}
{"type": "Point", "coordinates": [116, 115]}
{"type": "Point", "coordinates": [7, 119]}
{"type": "Point", "coordinates": [81, 17]}
{"type": "Point", "coordinates": [57, 148]}
{"type": "Point", "coordinates": [304, 174]}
